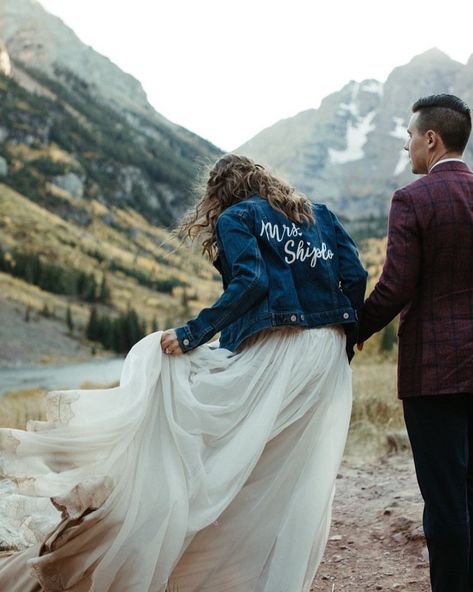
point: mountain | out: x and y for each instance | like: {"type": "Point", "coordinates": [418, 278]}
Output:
{"type": "Point", "coordinates": [123, 151]}
{"type": "Point", "coordinates": [90, 178]}
{"type": "Point", "coordinates": [91, 175]}
{"type": "Point", "coordinates": [349, 152]}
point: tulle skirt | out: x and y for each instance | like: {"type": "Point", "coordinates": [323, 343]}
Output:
{"type": "Point", "coordinates": [207, 472]}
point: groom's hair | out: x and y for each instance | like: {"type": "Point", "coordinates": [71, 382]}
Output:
{"type": "Point", "coordinates": [447, 115]}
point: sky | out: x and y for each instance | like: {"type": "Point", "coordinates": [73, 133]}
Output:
{"type": "Point", "coordinates": [228, 69]}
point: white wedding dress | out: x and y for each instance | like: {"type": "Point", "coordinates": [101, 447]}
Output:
{"type": "Point", "coordinates": [207, 472]}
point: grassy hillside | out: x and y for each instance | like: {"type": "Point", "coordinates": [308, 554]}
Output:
{"type": "Point", "coordinates": [62, 136]}
{"type": "Point", "coordinates": [144, 266]}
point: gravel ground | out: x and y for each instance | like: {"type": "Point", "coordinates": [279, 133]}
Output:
{"type": "Point", "coordinates": [376, 541]}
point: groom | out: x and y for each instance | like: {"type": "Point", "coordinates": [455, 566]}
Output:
{"type": "Point", "coordinates": [428, 278]}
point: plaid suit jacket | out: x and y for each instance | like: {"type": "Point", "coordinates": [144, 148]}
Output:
{"type": "Point", "coordinates": [428, 278]}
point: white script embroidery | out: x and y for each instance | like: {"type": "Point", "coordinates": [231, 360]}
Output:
{"type": "Point", "coordinates": [300, 252]}
{"type": "Point", "coordinates": [274, 231]}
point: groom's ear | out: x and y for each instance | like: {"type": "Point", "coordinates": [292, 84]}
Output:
{"type": "Point", "coordinates": [432, 139]}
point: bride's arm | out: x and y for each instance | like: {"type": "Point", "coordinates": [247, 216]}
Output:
{"type": "Point", "coordinates": [248, 283]}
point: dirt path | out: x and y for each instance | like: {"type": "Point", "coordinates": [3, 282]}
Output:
{"type": "Point", "coordinates": [376, 541]}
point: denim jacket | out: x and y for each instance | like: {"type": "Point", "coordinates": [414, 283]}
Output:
{"type": "Point", "coordinates": [276, 272]}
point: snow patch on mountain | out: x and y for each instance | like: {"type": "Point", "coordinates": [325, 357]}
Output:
{"type": "Point", "coordinates": [402, 162]}
{"type": "Point", "coordinates": [373, 86]}
{"type": "Point", "coordinates": [356, 138]}
{"type": "Point", "coordinates": [399, 130]}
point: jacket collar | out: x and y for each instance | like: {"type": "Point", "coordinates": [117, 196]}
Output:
{"type": "Point", "coordinates": [450, 165]}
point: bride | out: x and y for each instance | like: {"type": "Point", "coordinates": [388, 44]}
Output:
{"type": "Point", "coordinates": [212, 471]}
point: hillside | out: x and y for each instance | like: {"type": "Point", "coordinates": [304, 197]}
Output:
{"type": "Point", "coordinates": [144, 267]}
{"type": "Point", "coordinates": [91, 176]}
{"type": "Point", "coordinates": [68, 142]}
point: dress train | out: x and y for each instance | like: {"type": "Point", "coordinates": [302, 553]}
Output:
{"type": "Point", "coordinates": [207, 472]}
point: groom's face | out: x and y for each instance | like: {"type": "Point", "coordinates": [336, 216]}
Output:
{"type": "Point", "coordinates": [417, 146]}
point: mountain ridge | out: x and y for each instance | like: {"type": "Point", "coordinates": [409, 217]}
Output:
{"type": "Point", "coordinates": [349, 152]}
{"type": "Point", "coordinates": [47, 58]}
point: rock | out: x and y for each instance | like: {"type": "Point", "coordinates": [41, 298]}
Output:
{"type": "Point", "coordinates": [397, 441]}
{"type": "Point", "coordinates": [416, 534]}
{"type": "Point", "coordinates": [71, 183]}
{"type": "Point", "coordinates": [402, 524]}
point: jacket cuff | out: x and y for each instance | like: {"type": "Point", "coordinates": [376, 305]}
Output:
{"type": "Point", "coordinates": [185, 338]}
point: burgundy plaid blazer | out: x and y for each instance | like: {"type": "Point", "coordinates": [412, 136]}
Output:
{"type": "Point", "coordinates": [428, 278]}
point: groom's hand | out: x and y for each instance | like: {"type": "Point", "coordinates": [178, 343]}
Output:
{"type": "Point", "coordinates": [170, 344]}
{"type": "Point", "coordinates": [359, 346]}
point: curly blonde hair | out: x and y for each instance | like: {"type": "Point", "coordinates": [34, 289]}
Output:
{"type": "Point", "coordinates": [234, 178]}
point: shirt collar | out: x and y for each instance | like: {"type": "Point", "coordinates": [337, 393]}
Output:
{"type": "Point", "coordinates": [446, 160]}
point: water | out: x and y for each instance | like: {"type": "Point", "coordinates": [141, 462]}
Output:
{"type": "Point", "coordinates": [60, 376]}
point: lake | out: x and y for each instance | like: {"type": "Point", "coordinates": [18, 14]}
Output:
{"type": "Point", "coordinates": [60, 376]}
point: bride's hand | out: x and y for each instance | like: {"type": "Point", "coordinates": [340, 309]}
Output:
{"type": "Point", "coordinates": [170, 344]}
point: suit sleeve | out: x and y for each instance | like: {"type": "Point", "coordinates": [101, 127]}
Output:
{"type": "Point", "coordinates": [398, 282]}
{"type": "Point", "coordinates": [248, 285]}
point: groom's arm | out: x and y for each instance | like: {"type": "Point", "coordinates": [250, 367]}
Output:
{"type": "Point", "coordinates": [398, 282]}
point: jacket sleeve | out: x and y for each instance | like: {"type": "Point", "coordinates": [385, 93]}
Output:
{"type": "Point", "coordinates": [352, 279]}
{"type": "Point", "coordinates": [248, 285]}
{"type": "Point", "coordinates": [352, 273]}
{"type": "Point", "coordinates": [398, 282]}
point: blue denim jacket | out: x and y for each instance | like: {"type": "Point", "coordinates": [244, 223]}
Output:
{"type": "Point", "coordinates": [276, 272]}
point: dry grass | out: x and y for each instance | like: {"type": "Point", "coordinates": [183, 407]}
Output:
{"type": "Point", "coordinates": [138, 246]}
{"type": "Point", "coordinates": [18, 407]}
{"type": "Point", "coordinates": [377, 424]}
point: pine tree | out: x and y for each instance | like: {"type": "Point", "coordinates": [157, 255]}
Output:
{"type": "Point", "coordinates": [69, 321]}
{"type": "Point", "coordinates": [185, 302]}
{"type": "Point", "coordinates": [104, 291]}
{"type": "Point", "coordinates": [92, 329]}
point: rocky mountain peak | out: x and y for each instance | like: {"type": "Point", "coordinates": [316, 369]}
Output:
{"type": "Point", "coordinates": [349, 152]}
{"type": "Point", "coordinates": [35, 37]}
{"type": "Point", "coordinates": [434, 54]}
{"type": "Point", "coordinates": [114, 146]}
